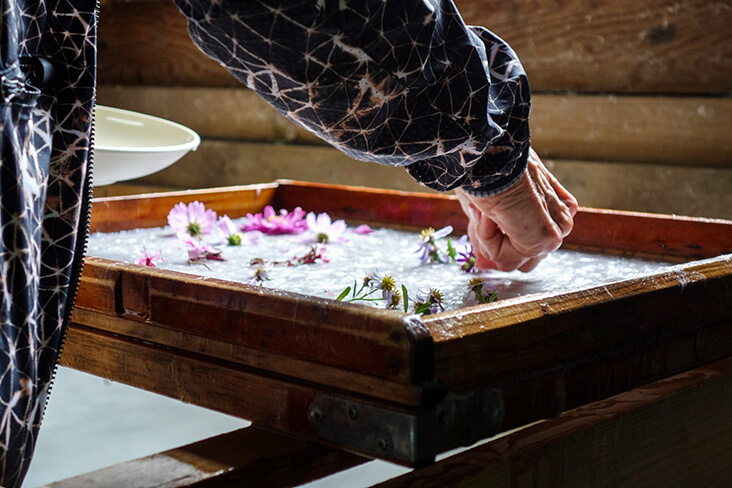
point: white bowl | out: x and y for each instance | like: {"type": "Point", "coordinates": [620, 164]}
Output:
{"type": "Point", "coordinates": [131, 145]}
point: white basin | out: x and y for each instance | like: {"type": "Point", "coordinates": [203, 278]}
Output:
{"type": "Point", "coordinates": [131, 145]}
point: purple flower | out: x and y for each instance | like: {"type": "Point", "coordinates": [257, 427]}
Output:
{"type": "Point", "coordinates": [272, 223]}
{"type": "Point", "coordinates": [430, 253]}
{"type": "Point", "coordinates": [467, 258]}
{"type": "Point", "coordinates": [145, 259]}
{"type": "Point", "coordinates": [430, 303]}
{"type": "Point", "coordinates": [389, 292]}
{"type": "Point", "coordinates": [198, 250]}
{"type": "Point", "coordinates": [324, 229]}
{"type": "Point", "coordinates": [479, 292]}
{"type": "Point", "coordinates": [373, 279]}
{"type": "Point", "coordinates": [362, 229]}
{"type": "Point", "coordinates": [193, 219]}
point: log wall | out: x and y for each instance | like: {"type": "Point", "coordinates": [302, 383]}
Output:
{"type": "Point", "coordinates": [631, 101]}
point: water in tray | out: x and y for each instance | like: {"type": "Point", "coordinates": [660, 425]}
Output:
{"type": "Point", "coordinates": [388, 250]}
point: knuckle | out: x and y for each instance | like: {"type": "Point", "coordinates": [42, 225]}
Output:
{"type": "Point", "coordinates": [550, 238]}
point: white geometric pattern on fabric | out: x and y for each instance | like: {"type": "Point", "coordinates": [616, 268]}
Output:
{"type": "Point", "coordinates": [404, 83]}
{"type": "Point", "coordinates": [45, 145]}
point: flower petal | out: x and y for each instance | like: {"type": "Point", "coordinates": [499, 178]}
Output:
{"type": "Point", "coordinates": [445, 231]}
{"type": "Point", "coordinates": [312, 222]}
{"type": "Point", "coordinates": [363, 229]}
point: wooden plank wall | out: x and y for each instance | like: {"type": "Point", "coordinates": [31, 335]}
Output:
{"type": "Point", "coordinates": [631, 101]}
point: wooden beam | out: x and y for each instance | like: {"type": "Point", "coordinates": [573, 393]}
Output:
{"type": "Point", "coordinates": [682, 190]}
{"type": "Point", "coordinates": [218, 113]}
{"type": "Point", "coordinates": [676, 432]}
{"type": "Point", "coordinates": [224, 163]}
{"type": "Point", "coordinates": [190, 378]}
{"type": "Point", "coordinates": [250, 357]}
{"type": "Point", "coordinates": [251, 457]}
{"type": "Point", "coordinates": [654, 46]}
{"type": "Point", "coordinates": [661, 130]}
{"type": "Point", "coordinates": [147, 42]}
{"type": "Point", "coordinates": [657, 46]}
{"type": "Point", "coordinates": [701, 192]}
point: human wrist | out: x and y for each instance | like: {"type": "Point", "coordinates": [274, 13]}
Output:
{"type": "Point", "coordinates": [501, 184]}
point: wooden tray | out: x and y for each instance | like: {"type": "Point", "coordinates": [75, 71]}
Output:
{"type": "Point", "coordinates": [386, 383]}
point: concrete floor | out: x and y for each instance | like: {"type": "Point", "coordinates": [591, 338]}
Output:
{"type": "Point", "coordinates": [91, 423]}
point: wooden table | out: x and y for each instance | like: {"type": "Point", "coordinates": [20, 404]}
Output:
{"type": "Point", "coordinates": [405, 388]}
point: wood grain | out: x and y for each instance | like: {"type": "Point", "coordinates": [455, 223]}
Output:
{"type": "Point", "coordinates": [655, 46]}
{"type": "Point", "coordinates": [190, 378]}
{"type": "Point", "coordinates": [365, 340]}
{"type": "Point", "coordinates": [251, 457]}
{"type": "Point", "coordinates": [691, 131]}
{"type": "Point", "coordinates": [147, 43]}
{"type": "Point", "coordinates": [662, 189]}
{"type": "Point", "coordinates": [658, 46]}
{"type": "Point", "coordinates": [331, 377]}
{"type": "Point", "coordinates": [674, 433]}
{"type": "Point", "coordinates": [518, 337]}
{"type": "Point", "coordinates": [628, 231]}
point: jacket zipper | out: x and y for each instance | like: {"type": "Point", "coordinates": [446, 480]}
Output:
{"type": "Point", "coordinates": [80, 248]}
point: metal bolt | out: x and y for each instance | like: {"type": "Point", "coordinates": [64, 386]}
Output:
{"type": "Point", "coordinates": [353, 412]}
{"type": "Point", "coordinates": [315, 414]}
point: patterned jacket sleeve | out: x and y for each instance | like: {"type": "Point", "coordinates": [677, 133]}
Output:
{"type": "Point", "coordinates": [403, 83]}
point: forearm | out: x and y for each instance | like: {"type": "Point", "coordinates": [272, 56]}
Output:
{"type": "Point", "coordinates": [400, 83]}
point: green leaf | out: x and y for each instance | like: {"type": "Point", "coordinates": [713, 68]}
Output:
{"type": "Point", "coordinates": [406, 298]}
{"type": "Point", "coordinates": [344, 293]}
{"type": "Point", "coordinates": [422, 309]}
{"type": "Point", "coordinates": [451, 251]}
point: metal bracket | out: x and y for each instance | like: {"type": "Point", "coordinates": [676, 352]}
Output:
{"type": "Point", "coordinates": [413, 438]}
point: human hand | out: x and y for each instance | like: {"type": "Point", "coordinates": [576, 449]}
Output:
{"type": "Point", "coordinates": [518, 227]}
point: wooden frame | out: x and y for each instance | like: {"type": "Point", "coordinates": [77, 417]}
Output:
{"type": "Point", "coordinates": [268, 356]}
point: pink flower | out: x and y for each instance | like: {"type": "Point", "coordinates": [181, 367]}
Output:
{"type": "Point", "coordinates": [324, 229]}
{"type": "Point", "coordinates": [362, 229]}
{"type": "Point", "coordinates": [198, 250]}
{"type": "Point", "coordinates": [193, 219]}
{"type": "Point", "coordinates": [229, 230]}
{"type": "Point", "coordinates": [145, 259]}
{"type": "Point", "coordinates": [272, 223]}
